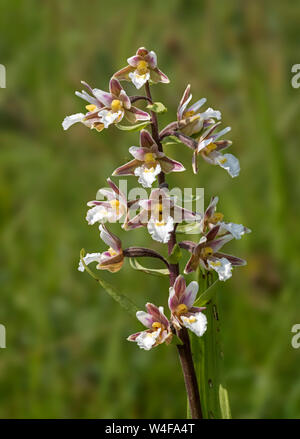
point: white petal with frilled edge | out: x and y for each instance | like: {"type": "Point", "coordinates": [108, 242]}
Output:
{"type": "Point", "coordinates": [108, 117]}
{"type": "Point", "coordinates": [146, 340]}
{"type": "Point", "coordinates": [88, 258]}
{"type": "Point", "coordinates": [222, 266]}
{"type": "Point", "coordinates": [160, 230]}
{"type": "Point", "coordinates": [70, 120]}
{"type": "Point", "coordinates": [147, 175]}
{"type": "Point", "coordinates": [139, 80]}
{"type": "Point", "coordinates": [97, 213]}
{"type": "Point", "coordinates": [230, 163]}
{"type": "Point", "coordinates": [196, 322]}
{"type": "Point", "coordinates": [236, 230]}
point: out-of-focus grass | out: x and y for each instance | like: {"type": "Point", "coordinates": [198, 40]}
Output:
{"type": "Point", "coordinates": [66, 352]}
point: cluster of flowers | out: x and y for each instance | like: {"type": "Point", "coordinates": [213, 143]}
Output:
{"type": "Point", "coordinates": [159, 213]}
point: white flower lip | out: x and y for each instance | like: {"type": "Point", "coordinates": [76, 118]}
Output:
{"type": "Point", "coordinates": [197, 323]}
{"type": "Point", "coordinates": [222, 266]}
{"type": "Point", "coordinates": [146, 340]}
{"type": "Point", "coordinates": [160, 230]}
{"type": "Point", "coordinates": [139, 80]}
{"type": "Point", "coordinates": [147, 176]}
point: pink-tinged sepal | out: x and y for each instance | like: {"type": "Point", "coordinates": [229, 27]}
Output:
{"type": "Point", "coordinates": [169, 165]}
{"type": "Point", "coordinates": [128, 168]}
{"type": "Point", "coordinates": [146, 140]}
{"type": "Point", "coordinates": [135, 114]}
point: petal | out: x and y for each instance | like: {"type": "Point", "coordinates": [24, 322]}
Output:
{"type": "Point", "coordinates": [188, 245]}
{"type": "Point", "coordinates": [160, 231]}
{"type": "Point", "coordinates": [196, 322]}
{"type": "Point", "coordinates": [145, 318]}
{"type": "Point", "coordinates": [179, 286]}
{"type": "Point", "coordinates": [211, 114]}
{"type": "Point", "coordinates": [139, 80]}
{"type": "Point", "coordinates": [146, 140]}
{"type": "Point", "coordinates": [211, 207]}
{"type": "Point", "coordinates": [192, 264]}
{"type": "Point", "coordinates": [115, 87]}
{"type": "Point", "coordinates": [138, 152]}
{"type": "Point", "coordinates": [234, 260]}
{"type": "Point", "coordinates": [108, 117]}
{"type": "Point", "coordinates": [124, 73]}
{"type": "Point", "coordinates": [128, 168]}
{"type": "Point", "coordinates": [158, 76]}
{"type": "Point", "coordinates": [222, 266]}
{"type": "Point", "coordinates": [168, 165]}
{"type": "Point", "coordinates": [236, 230]}
{"type": "Point", "coordinates": [103, 96]}
{"type": "Point", "coordinates": [197, 105]}
{"type": "Point", "coordinates": [88, 258]}
{"type": "Point", "coordinates": [151, 58]}
{"type": "Point", "coordinates": [218, 243]}
{"type": "Point", "coordinates": [109, 238]}
{"type": "Point", "coordinates": [186, 97]}
{"type": "Point", "coordinates": [125, 100]}
{"type": "Point", "coordinates": [135, 114]}
{"type": "Point", "coordinates": [147, 340]}
{"type": "Point", "coordinates": [230, 163]}
{"type": "Point", "coordinates": [147, 176]}
{"type": "Point", "coordinates": [84, 95]}
{"type": "Point", "coordinates": [190, 294]}
{"type": "Point", "coordinates": [97, 213]}
{"type": "Point", "coordinates": [70, 120]}
{"type": "Point", "coordinates": [134, 60]}
{"type": "Point", "coordinates": [172, 300]}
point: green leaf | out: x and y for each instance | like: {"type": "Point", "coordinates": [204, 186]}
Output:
{"type": "Point", "coordinates": [208, 360]}
{"type": "Point", "coordinates": [224, 402]}
{"type": "Point", "coordinates": [137, 127]}
{"type": "Point", "coordinates": [206, 295]}
{"type": "Point", "coordinates": [153, 271]}
{"type": "Point", "coordinates": [157, 107]}
{"type": "Point", "coordinates": [175, 255]}
{"type": "Point", "coordinates": [124, 301]}
{"type": "Point", "coordinates": [192, 228]}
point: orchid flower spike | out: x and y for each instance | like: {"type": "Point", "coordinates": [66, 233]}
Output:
{"type": "Point", "coordinates": [148, 161]}
{"type": "Point", "coordinates": [159, 214]}
{"type": "Point", "coordinates": [181, 301]}
{"type": "Point", "coordinates": [190, 120]}
{"type": "Point", "coordinates": [158, 332]}
{"type": "Point", "coordinates": [141, 68]}
{"type": "Point", "coordinates": [112, 259]}
{"type": "Point", "coordinates": [106, 108]}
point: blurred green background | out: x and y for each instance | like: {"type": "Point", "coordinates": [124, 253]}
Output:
{"type": "Point", "coordinates": [66, 352]}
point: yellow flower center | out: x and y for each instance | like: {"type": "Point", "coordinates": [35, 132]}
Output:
{"type": "Point", "coordinates": [223, 160]}
{"type": "Point", "coordinates": [149, 157]}
{"type": "Point", "coordinates": [181, 309]}
{"type": "Point", "coordinates": [156, 325]}
{"type": "Point", "coordinates": [116, 105]}
{"type": "Point", "coordinates": [209, 148]}
{"type": "Point", "coordinates": [112, 252]}
{"type": "Point", "coordinates": [91, 107]}
{"type": "Point", "coordinates": [142, 67]}
{"type": "Point", "coordinates": [192, 319]}
{"type": "Point", "coordinates": [207, 251]}
{"type": "Point", "coordinates": [216, 217]}
{"type": "Point", "coordinates": [115, 204]}
{"type": "Point", "coordinates": [188, 114]}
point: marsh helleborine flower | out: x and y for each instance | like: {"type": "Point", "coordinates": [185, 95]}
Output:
{"type": "Point", "coordinates": [190, 119]}
{"type": "Point", "coordinates": [181, 303]}
{"type": "Point", "coordinates": [159, 330]}
{"type": "Point", "coordinates": [106, 108]}
{"type": "Point", "coordinates": [148, 161]}
{"type": "Point", "coordinates": [142, 67]}
{"type": "Point", "coordinates": [159, 214]}
{"type": "Point", "coordinates": [112, 259]}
